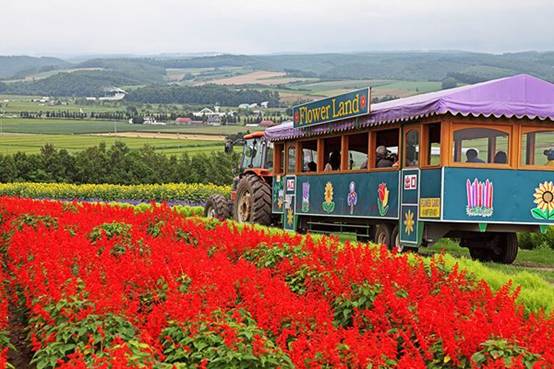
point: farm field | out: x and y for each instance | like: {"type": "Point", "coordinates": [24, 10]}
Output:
{"type": "Point", "coordinates": [169, 136]}
{"type": "Point", "coordinates": [379, 87]}
{"type": "Point", "coordinates": [259, 77]}
{"type": "Point", "coordinates": [68, 126]}
{"type": "Point", "coordinates": [108, 285]}
{"type": "Point", "coordinates": [31, 143]}
{"type": "Point", "coordinates": [17, 103]}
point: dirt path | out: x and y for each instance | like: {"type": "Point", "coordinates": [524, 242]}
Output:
{"type": "Point", "coordinates": [170, 136]}
{"type": "Point", "coordinates": [534, 266]}
{"type": "Point", "coordinates": [20, 357]}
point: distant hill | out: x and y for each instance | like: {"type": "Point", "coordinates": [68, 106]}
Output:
{"type": "Point", "coordinates": [427, 66]}
{"type": "Point", "coordinates": [111, 73]}
{"type": "Point", "coordinates": [50, 76]}
{"type": "Point", "coordinates": [86, 83]}
{"type": "Point", "coordinates": [15, 66]}
{"type": "Point", "coordinates": [143, 71]}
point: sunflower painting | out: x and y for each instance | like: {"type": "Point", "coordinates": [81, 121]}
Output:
{"type": "Point", "coordinates": [328, 205]}
{"type": "Point", "coordinates": [409, 222]}
{"type": "Point", "coordinates": [544, 199]}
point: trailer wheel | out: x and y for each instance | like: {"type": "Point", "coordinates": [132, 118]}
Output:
{"type": "Point", "coordinates": [481, 254]}
{"type": "Point", "coordinates": [383, 234]}
{"type": "Point", "coordinates": [507, 248]}
{"type": "Point", "coordinates": [217, 206]}
{"type": "Point", "coordinates": [395, 244]}
{"type": "Point", "coordinates": [253, 201]}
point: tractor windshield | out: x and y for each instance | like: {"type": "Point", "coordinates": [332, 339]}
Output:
{"type": "Point", "coordinates": [253, 153]}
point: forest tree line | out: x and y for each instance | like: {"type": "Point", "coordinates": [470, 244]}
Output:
{"type": "Point", "coordinates": [117, 165]}
{"type": "Point", "coordinates": [206, 94]}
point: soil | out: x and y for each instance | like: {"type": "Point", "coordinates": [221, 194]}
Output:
{"type": "Point", "coordinates": [535, 266]}
{"type": "Point", "coordinates": [21, 355]}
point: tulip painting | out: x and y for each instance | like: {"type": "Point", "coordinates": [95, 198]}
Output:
{"type": "Point", "coordinates": [480, 197]}
{"type": "Point", "coordinates": [383, 199]}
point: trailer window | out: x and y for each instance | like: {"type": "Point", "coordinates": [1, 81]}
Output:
{"type": "Point", "coordinates": [291, 159]}
{"type": "Point", "coordinates": [386, 148]}
{"type": "Point", "coordinates": [411, 151]}
{"type": "Point", "coordinates": [357, 151]}
{"type": "Point", "coordinates": [309, 156]}
{"type": "Point", "coordinates": [481, 146]}
{"type": "Point", "coordinates": [279, 158]}
{"type": "Point", "coordinates": [537, 148]}
{"type": "Point", "coordinates": [332, 150]}
{"type": "Point", "coordinates": [269, 156]}
{"type": "Point", "coordinates": [433, 144]}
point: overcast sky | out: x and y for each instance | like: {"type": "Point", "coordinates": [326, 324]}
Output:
{"type": "Point", "coordinates": [71, 27]}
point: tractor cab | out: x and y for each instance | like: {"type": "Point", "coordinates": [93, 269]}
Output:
{"type": "Point", "coordinates": [257, 153]}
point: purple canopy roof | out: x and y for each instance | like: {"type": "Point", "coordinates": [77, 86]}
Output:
{"type": "Point", "coordinates": [518, 96]}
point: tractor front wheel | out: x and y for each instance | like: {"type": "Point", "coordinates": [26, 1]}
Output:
{"type": "Point", "coordinates": [253, 201]}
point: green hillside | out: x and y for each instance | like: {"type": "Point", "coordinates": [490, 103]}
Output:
{"type": "Point", "coordinates": [427, 66]}
{"type": "Point", "coordinates": [15, 66]}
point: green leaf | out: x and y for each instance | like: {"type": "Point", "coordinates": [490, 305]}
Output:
{"type": "Point", "coordinates": [539, 214]}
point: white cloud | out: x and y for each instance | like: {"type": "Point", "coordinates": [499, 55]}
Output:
{"type": "Point", "coordinates": [262, 26]}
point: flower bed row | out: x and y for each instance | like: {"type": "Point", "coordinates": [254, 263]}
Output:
{"type": "Point", "coordinates": [108, 287]}
{"type": "Point", "coordinates": [182, 193]}
{"type": "Point", "coordinates": [4, 334]}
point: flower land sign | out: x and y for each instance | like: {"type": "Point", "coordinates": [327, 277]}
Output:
{"type": "Point", "coordinates": [348, 105]}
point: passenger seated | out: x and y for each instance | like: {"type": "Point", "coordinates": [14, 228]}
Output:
{"type": "Point", "coordinates": [312, 166]}
{"type": "Point", "coordinates": [383, 160]}
{"type": "Point", "coordinates": [473, 156]}
{"type": "Point", "coordinates": [549, 156]}
{"type": "Point", "coordinates": [364, 165]}
{"type": "Point", "coordinates": [334, 162]}
{"type": "Point", "coordinates": [501, 158]}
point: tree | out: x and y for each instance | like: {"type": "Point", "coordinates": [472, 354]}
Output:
{"type": "Point", "coordinates": [449, 83]}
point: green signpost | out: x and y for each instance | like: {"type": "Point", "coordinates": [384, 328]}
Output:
{"type": "Point", "coordinates": [348, 105]}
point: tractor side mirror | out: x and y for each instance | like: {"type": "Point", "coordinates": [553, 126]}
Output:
{"type": "Point", "coordinates": [228, 147]}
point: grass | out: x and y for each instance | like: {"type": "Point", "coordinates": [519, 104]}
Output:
{"type": "Point", "coordinates": [68, 126]}
{"type": "Point", "coordinates": [31, 143]}
{"type": "Point", "coordinates": [379, 87]}
{"type": "Point", "coordinates": [533, 271]}
{"type": "Point", "coordinates": [405, 88]}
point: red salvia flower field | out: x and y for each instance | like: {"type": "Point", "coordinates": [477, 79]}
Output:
{"type": "Point", "coordinates": [105, 287]}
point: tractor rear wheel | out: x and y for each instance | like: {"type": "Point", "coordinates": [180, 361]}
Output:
{"type": "Point", "coordinates": [253, 201]}
{"type": "Point", "coordinates": [217, 206]}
